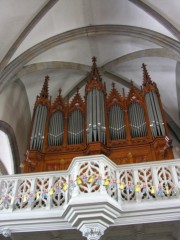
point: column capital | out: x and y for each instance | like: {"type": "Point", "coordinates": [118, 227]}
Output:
{"type": "Point", "coordinates": [6, 232]}
{"type": "Point", "coordinates": [92, 231]}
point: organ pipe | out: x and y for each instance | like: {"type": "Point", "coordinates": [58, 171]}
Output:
{"type": "Point", "coordinates": [137, 120]}
{"type": "Point", "coordinates": [117, 122]}
{"type": "Point", "coordinates": [37, 136]}
{"type": "Point", "coordinates": [155, 115]}
{"type": "Point", "coordinates": [56, 129]}
{"type": "Point", "coordinates": [95, 127]}
{"type": "Point", "coordinates": [75, 127]}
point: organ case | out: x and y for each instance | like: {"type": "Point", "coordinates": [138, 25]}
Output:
{"type": "Point", "coordinates": [128, 129]}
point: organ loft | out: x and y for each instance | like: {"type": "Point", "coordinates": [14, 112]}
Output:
{"type": "Point", "coordinates": [127, 128]}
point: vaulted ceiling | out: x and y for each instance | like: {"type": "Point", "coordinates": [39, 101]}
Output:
{"type": "Point", "coordinates": [59, 38]}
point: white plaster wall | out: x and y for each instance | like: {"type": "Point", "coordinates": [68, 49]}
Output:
{"type": "Point", "coordinates": [15, 111]}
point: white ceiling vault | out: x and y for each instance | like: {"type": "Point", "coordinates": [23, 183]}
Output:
{"type": "Point", "coordinates": [59, 38]}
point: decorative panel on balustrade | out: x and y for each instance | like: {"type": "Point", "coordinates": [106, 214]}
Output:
{"type": "Point", "coordinates": [126, 184]}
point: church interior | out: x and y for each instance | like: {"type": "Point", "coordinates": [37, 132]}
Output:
{"type": "Point", "coordinates": [89, 93]}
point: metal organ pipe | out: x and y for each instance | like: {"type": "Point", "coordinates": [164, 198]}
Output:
{"type": "Point", "coordinates": [103, 119]}
{"type": "Point", "coordinates": [111, 130]}
{"type": "Point", "coordinates": [120, 122]}
{"type": "Point", "coordinates": [34, 127]}
{"type": "Point", "coordinates": [154, 113]}
{"type": "Point", "coordinates": [89, 114]}
{"type": "Point", "coordinates": [98, 114]}
{"type": "Point", "coordinates": [116, 122]}
{"type": "Point", "coordinates": [69, 130]}
{"type": "Point", "coordinates": [43, 126]}
{"type": "Point", "coordinates": [110, 123]}
{"type": "Point", "coordinates": [137, 120]}
{"type": "Point", "coordinates": [56, 129]}
{"type": "Point", "coordinates": [78, 127]}
{"type": "Point", "coordinates": [50, 131]}
{"type": "Point", "coordinates": [95, 125]}
{"type": "Point", "coordinates": [135, 134]}
{"type": "Point", "coordinates": [94, 115]}
{"type": "Point", "coordinates": [136, 112]}
{"type": "Point", "coordinates": [81, 127]}
{"type": "Point", "coordinates": [143, 123]}
{"type": "Point", "coordinates": [151, 116]}
{"type": "Point", "coordinates": [113, 123]}
{"type": "Point", "coordinates": [101, 102]}
{"type": "Point", "coordinates": [72, 127]}
{"type": "Point", "coordinates": [38, 127]}
{"type": "Point", "coordinates": [131, 117]}
{"type": "Point", "coordinates": [159, 115]}
{"type": "Point", "coordinates": [75, 127]}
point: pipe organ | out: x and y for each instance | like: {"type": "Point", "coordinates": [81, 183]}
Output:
{"type": "Point", "coordinates": [127, 128]}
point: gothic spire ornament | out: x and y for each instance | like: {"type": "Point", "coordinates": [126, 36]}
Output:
{"type": "Point", "coordinates": [146, 76]}
{"type": "Point", "coordinates": [45, 89]}
{"type": "Point", "coordinates": [94, 71]}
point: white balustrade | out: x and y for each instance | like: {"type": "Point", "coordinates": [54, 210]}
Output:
{"type": "Point", "coordinates": [124, 183]}
{"type": "Point", "coordinates": [92, 188]}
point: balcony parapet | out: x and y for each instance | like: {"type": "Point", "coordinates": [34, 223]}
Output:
{"type": "Point", "coordinates": [92, 192]}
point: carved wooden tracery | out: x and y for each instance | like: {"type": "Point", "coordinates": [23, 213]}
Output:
{"type": "Point", "coordinates": [128, 128]}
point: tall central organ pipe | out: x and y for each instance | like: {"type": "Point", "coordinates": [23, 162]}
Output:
{"type": "Point", "coordinates": [95, 124]}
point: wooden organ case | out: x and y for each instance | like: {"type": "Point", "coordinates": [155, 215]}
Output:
{"type": "Point", "coordinates": [127, 129]}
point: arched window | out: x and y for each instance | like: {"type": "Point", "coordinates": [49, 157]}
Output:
{"type": "Point", "coordinates": [9, 153]}
{"type": "Point", "coordinates": [6, 157]}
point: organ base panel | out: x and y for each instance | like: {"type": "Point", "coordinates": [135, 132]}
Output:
{"type": "Point", "coordinates": [127, 129]}
{"type": "Point", "coordinates": [120, 153]}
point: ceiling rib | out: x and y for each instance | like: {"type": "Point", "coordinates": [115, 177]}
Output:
{"type": "Point", "coordinates": [17, 64]}
{"type": "Point", "coordinates": [169, 26]}
{"type": "Point", "coordinates": [52, 65]}
{"type": "Point", "coordinates": [153, 52]}
{"type": "Point", "coordinates": [25, 32]}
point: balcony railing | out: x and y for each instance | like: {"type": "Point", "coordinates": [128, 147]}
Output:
{"type": "Point", "coordinates": [123, 183]}
{"type": "Point", "coordinates": [132, 187]}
